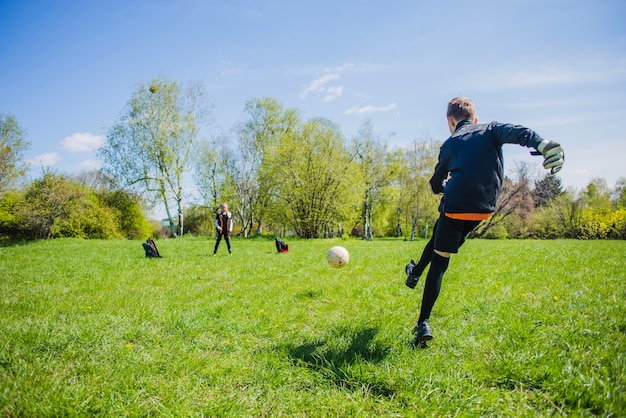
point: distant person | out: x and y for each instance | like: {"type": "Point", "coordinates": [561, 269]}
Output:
{"type": "Point", "coordinates": [469, 173]}
{"type": "Point", "coordinates": [223, 227]}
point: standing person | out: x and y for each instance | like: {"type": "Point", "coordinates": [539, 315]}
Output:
{"type": "Point", "coordinates": [469, 174]}
{"type": "Point", "coordinates": [223, 226]}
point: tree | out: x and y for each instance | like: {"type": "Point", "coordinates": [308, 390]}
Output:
{"type": "Point", "coordinates": [97, 180]}
{"type": "Point", "coordinates": [126, 207]}
{"type": "Point", "coordinates": [560, 218]}
{"type": "Point", "coordinates": [377, 166]}
{"type": "Point", "coordinates": [150, 148]}
{"type": "Point", "coordinates": [212, 172]}
{"type": "Point", "coordinates": [619, 193]}
{"type": "Point", "coordinates": [597, 195]}
{"type": "Point", "coordinates": [318, 186]}
{"type": "Point", "coordinates": [58, 206]}
{"type": "Point", "coordinates": [13, 146]}
{"type": "Point", "coordinates": [129, 217]}
{"type": "Point", "coordinates": [547, 189]}
{"type": "Point", "coordinates": [269, 125]}
{"type": "Point", "coordinates": [416, 199]}
{"type": "Point", "coordinates": [515, 198]}
{"type": "Point", "coordinates": [10, 227]}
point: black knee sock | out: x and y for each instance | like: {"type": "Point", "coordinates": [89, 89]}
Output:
{"type": "Point", "coordinates": [438, 267]}
{"type": "Point", "coordinates": [427, 255]}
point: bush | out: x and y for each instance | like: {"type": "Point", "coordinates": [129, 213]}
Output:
{"type": "Point", "coordinates": [88, 219]}
{"type": "Point", "coordinates": [496, 232]}
{"type": "Point", "coordinates": [130, 219]}
{"type": "Point", "coordinates": [9, 223]}
{"type": "Point", "coordinates": [199, 221]}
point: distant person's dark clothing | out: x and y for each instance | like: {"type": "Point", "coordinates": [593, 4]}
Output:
{"type": "Point", "coordinates": [223, 228]}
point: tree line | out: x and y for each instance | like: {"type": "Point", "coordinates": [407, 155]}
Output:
{"type": "Point", "coordinates": [281, 175]}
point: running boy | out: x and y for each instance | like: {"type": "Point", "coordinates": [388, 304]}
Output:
{"type": "Point", "coordinates": [469, 173]}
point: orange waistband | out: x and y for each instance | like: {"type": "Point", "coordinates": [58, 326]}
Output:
{"type": "Point", "coordinates": [468, 216]}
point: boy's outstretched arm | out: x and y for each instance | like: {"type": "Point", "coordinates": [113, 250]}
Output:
{"type": "Point", "coordinates": [553, 155]}
{"type": "Point", "coordinates": [552, 152]}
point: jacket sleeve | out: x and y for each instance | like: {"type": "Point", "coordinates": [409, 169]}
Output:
{"type": "Point", "coordinates": [506, 133]}
{"type": "Point", "coordinates": [440, 174]}
{"type": "Point", "coordinates": [230, 223]}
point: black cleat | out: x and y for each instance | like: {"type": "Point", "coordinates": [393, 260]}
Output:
{"type": "Point", "coordinates": [411, 280]}
{"type": "Point", "coordinates": [422, 334]}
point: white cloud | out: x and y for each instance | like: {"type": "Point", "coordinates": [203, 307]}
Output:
{"type": "Point", "coordinates": [89, 164]}
{"type": "Point", "coordinates": [47, 159]}
{"type": "Point", "coordinates": [82, 142]}
{"type": "Point", "coordinates": [371, 109]}
{"type": "Point", "coordinates": [332, 93]}
{"type": "Point", "coordinates": [318, 85]}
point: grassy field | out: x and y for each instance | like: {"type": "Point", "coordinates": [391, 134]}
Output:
{"type": "Point", "coordinates": [522, 328]}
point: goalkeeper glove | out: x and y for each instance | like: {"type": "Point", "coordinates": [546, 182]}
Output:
{"type": "Point", "coordinates": [553, 155]}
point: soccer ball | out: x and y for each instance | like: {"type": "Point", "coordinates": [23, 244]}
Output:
{"type": "Point", "coordinates": [338, 257]}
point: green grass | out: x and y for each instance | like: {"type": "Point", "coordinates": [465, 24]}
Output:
{"type": "Point", "coordinates": [522, 328]}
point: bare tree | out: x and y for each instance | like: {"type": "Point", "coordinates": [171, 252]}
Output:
{"type": "Point", "coordinates": [516, 197]}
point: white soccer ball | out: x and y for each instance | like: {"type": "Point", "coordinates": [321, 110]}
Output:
{"type": "Point", "coordinates": [338, 257]}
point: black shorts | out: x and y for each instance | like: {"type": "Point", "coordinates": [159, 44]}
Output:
{"type": "Point", "coordinates": [449, 234]}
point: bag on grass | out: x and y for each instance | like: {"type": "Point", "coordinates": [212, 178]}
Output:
{"type": "Point", "coordinates": [151, 249]}
{"type": "Point", "coordinates": [281, 246]}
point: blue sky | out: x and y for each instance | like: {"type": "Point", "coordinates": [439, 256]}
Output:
{"type": "Point", "coordinates": [67, 68]}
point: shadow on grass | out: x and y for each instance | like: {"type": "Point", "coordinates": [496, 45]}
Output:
{"type": "Point", "coordinates": [343, 357]}
{"type": "Point", "coordinates": [17, 243]}
{"type": "Point", "coordinates": [309, 294]}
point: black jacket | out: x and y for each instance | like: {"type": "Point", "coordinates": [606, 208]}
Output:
{"type": "Point", "coordinates": [223, 223]}
{"type": "Point", "coordinates": [472, 157]}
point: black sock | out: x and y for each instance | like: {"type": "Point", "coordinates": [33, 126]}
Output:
{"type": "Point", "coordinates": [427, 255]}
{"type": "Point", "coordinates": [438, 267]}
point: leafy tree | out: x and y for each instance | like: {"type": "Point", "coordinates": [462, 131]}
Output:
{"type": "Point", "coordinates": [128, 209]}
{"type": "Point", "coordinates": [560, 218]}
{"type": "Point", "coordinates": [129, 218]}
{"type": "Point", "coordinates": [86, 217]}
{"type": "Point", "coordinates": [269, 125]}
{"type": "Point", "coordinates": [13, 145]}
{"type": "Point", "coordinates": [416, 199]}
{"type": "Point", "coordinates": [377, 166]}
{"type": "Point", "coordinates": [57, 206]}
{"type": "Point", "coordinates": [150, 149]}
{"type": "Point", "coordinates": [319, 185]}
{"type": "Point", "coordinates": [597, 195]}
{"type": "Point", "coordinates": [199, 220]}
{"type": "Point", "coordinates": [9, 223]}
{"type": "Point", "coordinates": [45, 202]}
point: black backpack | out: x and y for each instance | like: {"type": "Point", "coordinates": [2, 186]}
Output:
{"type": "Point", "coordinates": [151, 249]}
{"type": "Point", "coordinates": [281, 246]}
